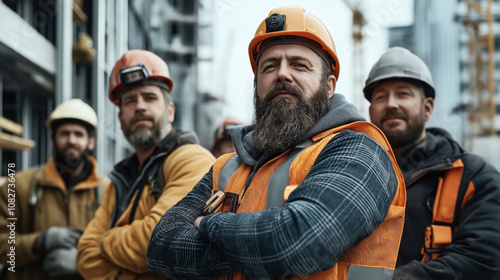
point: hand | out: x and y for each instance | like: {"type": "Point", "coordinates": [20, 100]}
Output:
{"type": "Point", "coordinates": [60, 262]}
{"type": "Point", "coordinates": [61, 237]}
{"type": "Point", "coordinates": [197, 222]}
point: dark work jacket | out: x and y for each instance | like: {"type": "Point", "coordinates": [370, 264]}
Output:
{"type": "Point", "coordinates": [475, 249]}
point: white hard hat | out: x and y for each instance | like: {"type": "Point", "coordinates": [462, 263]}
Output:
{"type": "Point", "coordinates": [74, 109]}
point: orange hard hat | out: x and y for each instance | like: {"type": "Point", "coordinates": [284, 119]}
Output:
{"type": "Point", "coordinates": [136, 65]}
{"type": "Point", "coordinates": [293, 21]}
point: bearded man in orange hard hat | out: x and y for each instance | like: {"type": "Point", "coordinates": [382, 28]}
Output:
{"type": "Point", "coordinates": [313, 191]}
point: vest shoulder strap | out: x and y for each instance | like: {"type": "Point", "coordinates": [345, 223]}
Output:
{"type": "Point", "coordinates": [439, 234]}
{"type": "Point", "coordinates": [447, 194]}
{"type": "Point", "coordinates": [225, 169]}
{"type": "Point", "coordinates": [297, 174]}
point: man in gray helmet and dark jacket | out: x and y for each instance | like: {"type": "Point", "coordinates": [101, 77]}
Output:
{"type": "Point", "coordinates": [452, 225]}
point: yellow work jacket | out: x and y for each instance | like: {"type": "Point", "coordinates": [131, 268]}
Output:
{"type": "Point", "coordinates": [103, 253]}
{"type": "Point", "coordinates": [55, 207]}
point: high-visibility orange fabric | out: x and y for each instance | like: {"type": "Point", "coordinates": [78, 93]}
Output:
{"type": "Point", "coordinates": [379, 250]}
{"type": "Point", "coordinates": [447, 193]}
{"type": "Point", "coordinates": [439, 234]}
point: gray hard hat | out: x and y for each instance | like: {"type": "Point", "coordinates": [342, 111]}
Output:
{"type": "Point", "coordinates": [399, 63]}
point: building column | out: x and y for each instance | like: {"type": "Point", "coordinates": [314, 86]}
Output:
{"type": "Point", "coordinates": [64, 45]}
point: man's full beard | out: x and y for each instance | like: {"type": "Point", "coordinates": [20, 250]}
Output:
{"type": "Point", "coordinates": [141, 138]}
{"type": "Point", "coordinates": [278, 124]}
{"type": "Point", "coordinates": [398, 138]}
{"type": "Point", "coordinates": [67, 162]}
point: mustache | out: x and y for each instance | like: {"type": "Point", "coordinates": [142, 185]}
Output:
{"type": "Point", "coordinates": [283, 87]}
{"type": "Point", "coordinates": [141, 116]}
{"type": "Point", "coordinates": [392, 114]}
{"type": "Point", "coordinates": [70, 146]}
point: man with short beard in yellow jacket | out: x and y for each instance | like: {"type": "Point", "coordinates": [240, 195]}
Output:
{"type": "Point", "coordinates": [52, 203]}
{"type": "Point", "coordinates": [166, 165]}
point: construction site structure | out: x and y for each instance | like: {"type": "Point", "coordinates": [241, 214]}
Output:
{"type": "Point", "coordinates": [52, 51]}
{"type": "Point", "coordinates": [481, 68]}
{"type": "Point", "coordinates": [358, 22]}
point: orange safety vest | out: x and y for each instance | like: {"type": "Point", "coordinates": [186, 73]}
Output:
{"type": "Point", "coordinates": [373, 257]}
{"type": "Point", "coordinates": [439, 234]}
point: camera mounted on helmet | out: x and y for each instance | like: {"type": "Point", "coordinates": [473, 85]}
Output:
{"type": "Point", "coordinates": [293, 22]}
{"type": "Point", "coordinates": [276, 22]}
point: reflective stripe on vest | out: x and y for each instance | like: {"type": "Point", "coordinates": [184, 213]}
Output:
{"type": "Point", "coordinates": [357, 272]}
{"type": "Point", "coordinates": [277, 183]}
{"type": "Point", "coordinates": [228, 170]}
{"type": "Point", "coordinates": [279, 180]}
{"type": "Point", "coordinates": [374, 256]}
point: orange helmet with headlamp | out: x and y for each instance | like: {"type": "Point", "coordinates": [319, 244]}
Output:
{"type": "Point", "coordinates": [135, 66]}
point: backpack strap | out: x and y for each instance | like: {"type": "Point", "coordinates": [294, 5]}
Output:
{"type": "Point", "coordinates": [157, 166]}
{"type": "Point", "coordinates": [35, 196]}
{"type": "Point", "coordinates": [157, 181]}
{"type": "Point", "coordinates": [439, 234]}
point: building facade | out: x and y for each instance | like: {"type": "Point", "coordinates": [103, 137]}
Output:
{"type": "Point", "coordinates": [55, 50]}
{"type": "Point", "coordinates": [440, 35]}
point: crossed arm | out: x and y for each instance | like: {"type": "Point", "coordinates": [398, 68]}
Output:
{"type": "Point", "coordinates": [343, 198]}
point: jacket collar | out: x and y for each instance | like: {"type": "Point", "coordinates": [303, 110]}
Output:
{"type": "Point", "coordinates": [50, 177]}
{"type": "Point", "coordinates": [129, 166]}
{"type": "Point", "coordinates": [437, 151]}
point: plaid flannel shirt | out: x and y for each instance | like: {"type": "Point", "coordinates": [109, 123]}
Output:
{"type": "Point", "coordinates": [346, 194]}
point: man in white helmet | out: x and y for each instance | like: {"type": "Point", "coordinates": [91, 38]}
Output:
{"type": "Point", "coordinates": [166, 165]}
{"type": "Point", "coordinates": [452, 225]}
{"type": "Point", "coordinates": [54, 202]}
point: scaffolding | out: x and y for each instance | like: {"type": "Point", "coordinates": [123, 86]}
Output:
{"type": "Point", "coordinates": [481, 68]}
{"type": "Point", "coordinates": [358, 23]}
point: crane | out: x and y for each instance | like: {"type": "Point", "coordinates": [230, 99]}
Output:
{"type": "Point", "coordinates": [481, 67]}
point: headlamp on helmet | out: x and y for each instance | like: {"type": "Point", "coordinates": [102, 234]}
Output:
{"type": "Point", "coordinates": [135, 66]}
{"type": "Point", "coordinates": [133, 74]}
